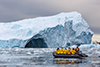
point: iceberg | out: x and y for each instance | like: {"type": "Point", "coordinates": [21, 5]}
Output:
{"type": "Point", "coordinates": [61, 30]}
{"type": "Point", "coordinates": [89, 46]}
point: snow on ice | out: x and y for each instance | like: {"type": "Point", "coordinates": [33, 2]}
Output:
{"type": "Point", "coordinates": [62, 30]}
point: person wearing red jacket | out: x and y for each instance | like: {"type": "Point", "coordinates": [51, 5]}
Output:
{"type": "Point", "coordinates": [77, 49]}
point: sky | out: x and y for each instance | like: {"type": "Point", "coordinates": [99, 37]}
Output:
{"type": "Point", "coordinates": [14, 10]}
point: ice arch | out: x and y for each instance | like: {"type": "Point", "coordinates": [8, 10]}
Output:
{"type": "Point", "coordinates": [36, 43]}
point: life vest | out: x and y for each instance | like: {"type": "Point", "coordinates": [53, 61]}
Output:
{"type": "Point", "coordinates": [65, 51]}
{"type": "Point", "coordinates": [73, 51]}
{"type": "Point", "coordinates": [77, 49]}
{"type": "Point", "coordinates": [62, 51]}
{"type": "Point", "coordinates": [58, 51]}
{"type": "Point", "coordinates": [69, 51]}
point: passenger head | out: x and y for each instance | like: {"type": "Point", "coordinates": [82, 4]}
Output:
{"type": "Point", "coordinates": [77, 46]}
{"type": "Point", "coordinates": [73, 48]}
{"type": "Point", "coordinates": [61, 48]}
{"type": "Point", "coordinates": [69, 48]}
{"type": "Point", "coordinates": [57, 48]}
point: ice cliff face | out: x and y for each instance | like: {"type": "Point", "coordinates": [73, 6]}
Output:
{"type": "Point", "coordinates": [61, 30]}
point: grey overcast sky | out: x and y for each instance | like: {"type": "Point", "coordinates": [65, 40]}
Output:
{"type": "Point", "coordinates": [14, 10]}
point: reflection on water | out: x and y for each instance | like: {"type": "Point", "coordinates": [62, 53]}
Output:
{"type": "Point", "coordinates": [66, 62]}
{"type": "Point", "coordinates": [72, 61]}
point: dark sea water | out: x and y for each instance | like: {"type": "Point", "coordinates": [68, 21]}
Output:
{"type": "Point", "coordinates": [42, 57]}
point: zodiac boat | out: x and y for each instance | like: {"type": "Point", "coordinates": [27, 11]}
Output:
{"type": "Point", "coordinates": [69, 55]}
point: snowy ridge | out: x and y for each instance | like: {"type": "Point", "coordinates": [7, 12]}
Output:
{"type": "Point", "coordinates": [25, 29]}
{"type": "Point", "coordinates": [53, 31]}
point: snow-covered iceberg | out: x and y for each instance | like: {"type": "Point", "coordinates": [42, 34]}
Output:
{"type": "Point", "coordinates": [60, 30]}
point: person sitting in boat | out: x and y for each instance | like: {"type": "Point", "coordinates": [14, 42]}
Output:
{"type": "Point", "coordinates": [77, 49]}
{"type": "Point", "coordinates": [69, 51]}
{"type": "Point", "coordinates": [58, 51]}
{"type": "Point", "coordinates": [73, 51]}
{"type": "Point", "coordinates": [62, 51]}
{"type": "Point", "coordinates": [65, 51]}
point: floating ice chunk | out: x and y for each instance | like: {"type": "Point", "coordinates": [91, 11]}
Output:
{"type": "Point", "coordinates": [87, 46]}
{"type": "Point", "coordinates": [28, 53]}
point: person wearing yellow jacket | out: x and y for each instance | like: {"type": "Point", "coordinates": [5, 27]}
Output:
{"type": "Point", "coordinates": [65, 51]}
{"type": "Point", "coordinates": [58, 51]}
{"type": "Point", "coordinates": [73, 51]}
{"type": "Point", "coordinates": [69, 51]}
{"type": "Point", "coordinates": [62, 51]}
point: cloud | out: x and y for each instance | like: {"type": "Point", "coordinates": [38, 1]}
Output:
{"type": "Point", "coordinates": [14, 10]}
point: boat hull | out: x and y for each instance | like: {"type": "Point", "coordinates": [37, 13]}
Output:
{"type": "Point", "coordinates": [69, 55]}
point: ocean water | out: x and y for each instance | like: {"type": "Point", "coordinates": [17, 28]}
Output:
{"type": "Point", "coordinates": [42, 57]}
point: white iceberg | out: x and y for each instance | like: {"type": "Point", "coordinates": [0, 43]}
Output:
{"type": "Point", "coordinates": [60, 30]}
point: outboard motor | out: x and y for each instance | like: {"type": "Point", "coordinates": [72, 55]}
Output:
{"type": "Point", "coordinates": [80, 52]}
